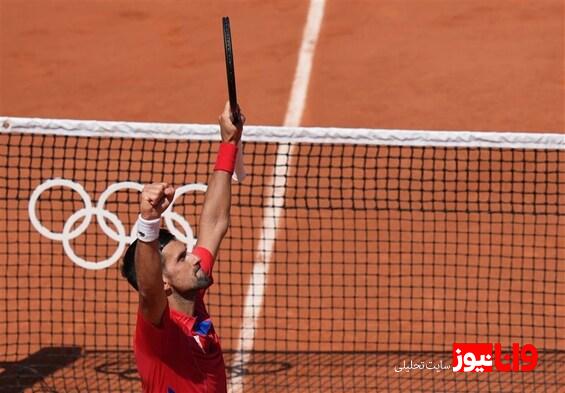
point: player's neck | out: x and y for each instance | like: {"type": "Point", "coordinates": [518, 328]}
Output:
{"type": "Point", "coordinates": [183, 304]}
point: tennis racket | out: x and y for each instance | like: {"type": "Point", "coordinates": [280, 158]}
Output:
{"type": "Point", "coordinates": [230, 70]}
{"type": "Point", "coordinates": [239, 173]}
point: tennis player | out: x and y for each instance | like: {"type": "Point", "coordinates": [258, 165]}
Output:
{"type": "Point", "coordinates": [176, 347]}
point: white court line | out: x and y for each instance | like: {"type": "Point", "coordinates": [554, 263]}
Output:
{"type": "Point", "coordinates": [273, 208]}
{"type": "Point", "coordinates": [299, 90]}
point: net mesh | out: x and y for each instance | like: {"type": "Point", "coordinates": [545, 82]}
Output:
{"type": "Point", "coordinates": [343, 260]}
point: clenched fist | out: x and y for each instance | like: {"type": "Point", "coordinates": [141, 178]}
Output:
{"type": "Point", "coordinates": [155, 198]}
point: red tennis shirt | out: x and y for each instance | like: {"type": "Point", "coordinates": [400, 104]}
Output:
{"type": "Point", "coordinates": [183, 353]}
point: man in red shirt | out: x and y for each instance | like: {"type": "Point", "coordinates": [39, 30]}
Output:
{"type": "Point", "coordinates": [176, 347]}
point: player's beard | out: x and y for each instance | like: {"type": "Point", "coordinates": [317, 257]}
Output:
{"type": "Point", "coordinates": [202, 280]}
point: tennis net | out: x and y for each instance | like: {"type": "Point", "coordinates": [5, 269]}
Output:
{"type": "Point", "coordinates": [354, 261]}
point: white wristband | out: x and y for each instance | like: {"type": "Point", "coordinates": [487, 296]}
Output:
{"type": "Point", "coordinates": [148, 230]}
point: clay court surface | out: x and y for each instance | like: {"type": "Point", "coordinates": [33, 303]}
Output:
{"type": "Point", "coordinates": [420, 64]}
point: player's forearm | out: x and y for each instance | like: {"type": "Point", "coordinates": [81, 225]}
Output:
{"type": "Point", "coordinates": [215, 216]}
{"type": "Point", "coordinates": [154, 200]}
{"type": "Point", "coordinates": [148, 270]}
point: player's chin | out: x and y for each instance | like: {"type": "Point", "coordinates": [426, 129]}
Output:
{"type": "Point", "coordinates": [202, 280]}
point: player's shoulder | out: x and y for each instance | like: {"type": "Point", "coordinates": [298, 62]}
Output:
{"type": "Point", "coordinates": [146, 331]}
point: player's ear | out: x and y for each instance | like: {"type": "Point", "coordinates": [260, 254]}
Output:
{"type": "Point", "coordinates": [167, 287]}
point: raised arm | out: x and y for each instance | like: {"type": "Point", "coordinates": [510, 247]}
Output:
{"type": "Point", "coordinates": [215, 216]}
{"type": "Point", "coordinates": [155, 198]}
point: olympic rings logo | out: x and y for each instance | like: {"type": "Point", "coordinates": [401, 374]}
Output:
{"type": "Point", "coordinates": [119, 235]}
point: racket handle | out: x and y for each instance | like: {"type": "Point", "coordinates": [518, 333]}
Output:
{"type": "Point", "coordinates": [239, 170]}
{"type": "Point", "coordinates": [235, 113]}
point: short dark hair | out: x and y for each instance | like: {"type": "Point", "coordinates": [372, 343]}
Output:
{"type": "Point", "coordinates": [128, 266]}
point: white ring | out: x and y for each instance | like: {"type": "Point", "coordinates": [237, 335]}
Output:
{"type": "Point", "coordinates": [188, 236]}
{"type": "Point", "coordinates": [169, 215]}
{"type": "Point", "coordinates": [102, 201]}
{"type": "Point", "coordinates": [184, 189]}
{"type": "Point", "coordinates": [59, 183]}
{"type": "Point", "coordinates": [87, 264]}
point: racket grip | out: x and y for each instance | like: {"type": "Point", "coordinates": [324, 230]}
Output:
{"type": "Point", "coordinates": [239, 170]}
{"type": "Point", "coordinates": [235, 114]}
